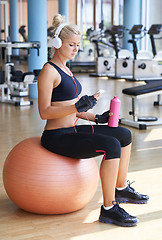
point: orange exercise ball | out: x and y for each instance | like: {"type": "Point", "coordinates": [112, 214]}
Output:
{"type": "Point", "coordinates": [42, 182]}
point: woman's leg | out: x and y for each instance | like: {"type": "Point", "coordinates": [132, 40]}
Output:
{"type": "Point", "coordinates": [108, 174]}
{"type": "Point", "coordinates": [123, 166]}
{"type": "Point", "coordinates": [111, 212]}
{"type": "Point", "coordinates": [124, 137]}
{"type": "Point", "coordinates": [114, 173]}
{"type": "Point", "coordinates": [128, 194]}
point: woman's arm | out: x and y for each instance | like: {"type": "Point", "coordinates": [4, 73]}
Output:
{"type": "Point", "coordinates": [47, 80]}
{"type": "Point", "coordinates": [97, 118]}
{"type": "Point", "coordinates": [86, 116]}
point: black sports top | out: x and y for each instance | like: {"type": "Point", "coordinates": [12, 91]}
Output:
{"type": "Point", "coordinates": [66, 90]}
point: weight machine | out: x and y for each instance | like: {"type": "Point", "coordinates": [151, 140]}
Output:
{"type": "Point", "coordinates": [14, 84]}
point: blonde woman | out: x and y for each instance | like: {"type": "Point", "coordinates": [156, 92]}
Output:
{"type": "Point", "coordinates": [60, 103]}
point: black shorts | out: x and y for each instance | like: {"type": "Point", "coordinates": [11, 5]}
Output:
{"type": "Point", "coordinates": [85, 144]}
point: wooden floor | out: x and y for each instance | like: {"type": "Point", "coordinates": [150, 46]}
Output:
{"type": "Point", "coordinates": [145, 169]}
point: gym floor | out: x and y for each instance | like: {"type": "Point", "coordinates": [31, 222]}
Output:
{"type": "Point", "coordinates": [145, 169]}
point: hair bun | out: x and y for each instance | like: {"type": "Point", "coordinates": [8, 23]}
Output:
{"type": "Point", "coordinates": [57, 20]}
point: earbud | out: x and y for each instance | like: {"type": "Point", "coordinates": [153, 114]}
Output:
{"type": "Point", "coordinates": [56, 41]}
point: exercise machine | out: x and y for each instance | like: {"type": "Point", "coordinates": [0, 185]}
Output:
{"type": "Point", "coordinates": [14, 84]}
{"type": "Point", "coordinates": [124, 58]}
{"type": "Point", "coordinates": [22, 31]}
{"type": "Point", "coordinates": [155, 29]}
{"type": "Point", "coordinates": [118, 63]}
{"type": "Point", "coordinates": [104, 57]}
{"type": "Point", "coordinates": [145, 65]}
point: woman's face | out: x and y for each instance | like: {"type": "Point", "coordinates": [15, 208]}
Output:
{"type": "Point", "coordinates": [70, 46]}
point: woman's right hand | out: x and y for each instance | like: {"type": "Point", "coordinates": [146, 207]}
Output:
{"type": "Point", "coordinates": [97, 95]}
{"type": "Point", "coordinates": [85, 103]}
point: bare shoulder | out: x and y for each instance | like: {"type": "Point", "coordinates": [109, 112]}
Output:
{"type": "Point", "coordinates": [48, 73]}
{"type": "Point", "coordinates": [48, 69]}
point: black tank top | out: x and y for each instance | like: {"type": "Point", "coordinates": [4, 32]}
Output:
{"type": "Point", "coordinates": [66, 90]}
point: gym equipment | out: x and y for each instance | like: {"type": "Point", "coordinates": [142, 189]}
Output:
{"type": "Point", "coordinates": [115, 65]}
{"type": "Point", "coordinates": [145, 67]}
{"type": "Point", "coordinates": [14, 84]}
{"type": "Point", "coordinates": [42, 182]}
{"type": "Point", "coordinates": [139, 66]}
{"type": "Point", "coordinates": [155, 29]}
{"type": "Point", "coordinates": [123, 64]}
{"type": "Point", "coordinates": [152, 78]}
{"type": "Point", "coordinates": [14, 87]}
{"type": "Point", "coordinates": [22, 31]}
{"type": "Point", "coordinates": [105, 59]}
{"type": "Point", "coordinates": [124, 59]}
{"type": "Point", "coordinates": [150, 89]}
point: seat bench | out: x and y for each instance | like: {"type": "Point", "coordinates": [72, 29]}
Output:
{"type": "Point", "coordinates": [138, 92]}
{"type": "Point", "coordinates": [144, 89]}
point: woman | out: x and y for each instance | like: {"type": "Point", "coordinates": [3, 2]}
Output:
{"type": "Point", "coordinates": [60, 104]}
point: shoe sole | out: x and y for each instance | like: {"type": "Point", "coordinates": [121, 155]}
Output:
{"type": "Point", "coordinates": [109, 220]}
{"type": "Point", "coordinates": [128, 200]}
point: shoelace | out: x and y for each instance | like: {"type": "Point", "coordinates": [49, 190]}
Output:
{"type": "Point", "coordinates": [132, 189]}
{"type": "Point", "coordinates": [121, 210]}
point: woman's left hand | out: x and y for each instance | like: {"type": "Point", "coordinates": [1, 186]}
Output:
{"type": "Point", "coordinates": [103, 118]}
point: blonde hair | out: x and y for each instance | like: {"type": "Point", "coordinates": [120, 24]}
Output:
{"type": "Point", "coordinates": [67, 30]}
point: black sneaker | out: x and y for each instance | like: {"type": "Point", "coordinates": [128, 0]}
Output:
{"type": "Point", "coordinates": [129, 195]}
{"type": "Point", "coordinates": [117, 216]}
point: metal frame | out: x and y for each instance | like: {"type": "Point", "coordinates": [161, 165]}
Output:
{"type": "Point", "coordinates": [15, 93]}
{"type": "Point", "coordinates": [141, 124]}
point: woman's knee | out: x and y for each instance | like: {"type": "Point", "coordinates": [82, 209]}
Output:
{"type": "Point", "coordinates": [126, 136]}
{"type": "Point", "coordinates": [113, 149]}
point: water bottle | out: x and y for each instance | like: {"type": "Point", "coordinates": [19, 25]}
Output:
{"type": "Point", "coordinates": [114, 112]}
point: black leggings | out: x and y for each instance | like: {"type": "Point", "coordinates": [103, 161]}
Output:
{"type": "Point", "coordinates": [84, 143]}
